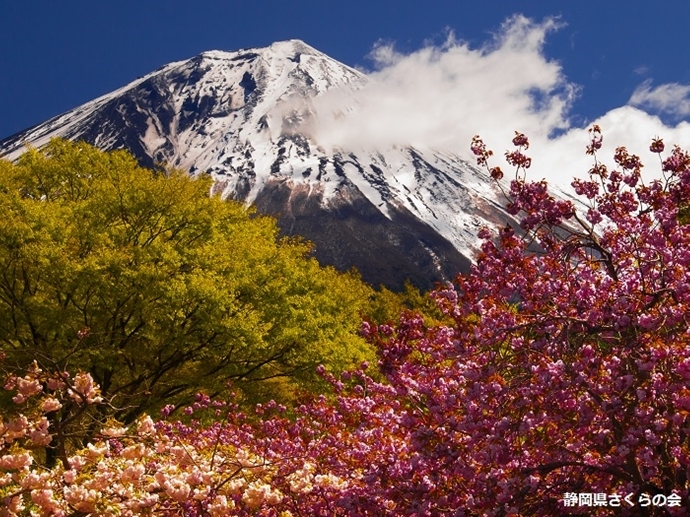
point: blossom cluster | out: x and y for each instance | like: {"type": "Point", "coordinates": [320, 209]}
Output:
{"type": "Point", "coordinates": [146, 468]}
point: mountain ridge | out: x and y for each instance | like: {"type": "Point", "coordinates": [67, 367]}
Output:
{"type": "Point", "coordinates": [244, 116]}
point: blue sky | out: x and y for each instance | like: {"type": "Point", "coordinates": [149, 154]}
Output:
{"type": "Point", "coordinates": [607, 54]}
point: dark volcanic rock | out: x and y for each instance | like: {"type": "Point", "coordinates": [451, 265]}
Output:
{"type": "Point", "coordinates": [352, 232]}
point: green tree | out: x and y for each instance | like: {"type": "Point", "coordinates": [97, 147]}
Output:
{"type": "Point", "coordinates": [158, 288]}
{"type": "Point", "coordinates": [386, 306]}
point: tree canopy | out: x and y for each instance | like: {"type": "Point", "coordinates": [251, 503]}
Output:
{"type": "Point", "coordinates": [556, 382]}
{"type": "Point", "coordinates": [158, 288]}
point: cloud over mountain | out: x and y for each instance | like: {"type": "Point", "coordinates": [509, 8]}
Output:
{"type": "Point", "coordinates": [441, 95]}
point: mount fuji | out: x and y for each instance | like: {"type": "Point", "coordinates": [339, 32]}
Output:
{"type": "Point", "coordinates": [244, 117]}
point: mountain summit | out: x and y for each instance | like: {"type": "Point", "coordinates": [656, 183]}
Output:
{"type": "Point", "coordinates": [244, 117]}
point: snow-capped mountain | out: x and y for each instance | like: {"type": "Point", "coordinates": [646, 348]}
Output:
{"type": "Point", "coordinates": [243, 117]}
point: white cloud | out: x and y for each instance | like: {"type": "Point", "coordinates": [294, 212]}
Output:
{"type": "Point", "coordinates": [440, 96]}
{"type": "Point", "coordinates": [561, 159]}
{"type": "Point", "coordinates": [671, 98]}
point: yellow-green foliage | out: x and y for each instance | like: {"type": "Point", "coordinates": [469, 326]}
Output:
{"type": "Point", "coordinates": [386, 306]}
{"type": "Point", "coordinates": [158, 288]}
{"type": "Point", "coordinates": [684, 214]}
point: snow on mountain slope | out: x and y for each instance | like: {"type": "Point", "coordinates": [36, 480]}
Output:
{"type": "Point", "coordinates": [243, 117]}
